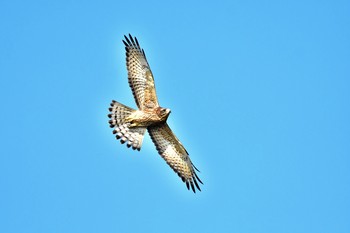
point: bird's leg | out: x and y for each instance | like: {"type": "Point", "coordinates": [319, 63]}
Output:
{"type": "Point", "coordinates": [134, 119]}
{"type": "Point", "coordinates": [131, 120]}
{"type": "Point", "coordinates": [138, 119]}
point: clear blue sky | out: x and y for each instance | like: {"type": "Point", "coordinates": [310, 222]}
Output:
{"type": "Point", "coordinates": [260, 97]}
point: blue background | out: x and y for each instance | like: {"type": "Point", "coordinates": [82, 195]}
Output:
{"type": "Point", "coordinates": [260, 97]}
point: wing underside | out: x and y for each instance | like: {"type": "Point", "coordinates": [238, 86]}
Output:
{"type": "Point", "coordinates": [176, 156]}
{"type": "Point", "coordinates": [140, 76]}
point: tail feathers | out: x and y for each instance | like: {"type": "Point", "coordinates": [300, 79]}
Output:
{"type": "Point", "coordinates": [132, 136]}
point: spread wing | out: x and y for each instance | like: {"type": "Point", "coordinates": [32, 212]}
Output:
{"type": "Point", "coordinates": [140, 75]}
{"type": "Point", "coordinates": [174, 153]}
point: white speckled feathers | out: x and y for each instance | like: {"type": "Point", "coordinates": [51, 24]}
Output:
{"type": "Point", "coordinates": [140, 75]}
{"type": "Point", "coordinates": [174, 153]}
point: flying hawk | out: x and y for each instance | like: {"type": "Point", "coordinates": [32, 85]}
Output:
{"type": "Point", "coordinates": [130, 125]}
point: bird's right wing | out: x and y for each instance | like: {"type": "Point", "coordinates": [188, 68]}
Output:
{"type": "Point", "coordinates": [174, 153]}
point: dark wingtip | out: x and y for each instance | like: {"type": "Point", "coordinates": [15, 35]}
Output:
{"type": "Point", "coordinates": [137, 43]}
{"type": "Point", "coordinates": [195, 167]}
{"type": "Point", "coordinates": [132, 40]}
{"type": "Point", "coordinates": [126, 44]}
{"type": "Point", "coordinates": [127, 40]}
{"type": "Point", "coordinates": [195, 182]}
{"type": "Point", "coordinates": [192, 187]}
{"type": "Point", "coordinates": [198, 178]}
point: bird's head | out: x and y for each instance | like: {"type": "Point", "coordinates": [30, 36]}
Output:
{"type": "Point", "coordinates": [163, 113]}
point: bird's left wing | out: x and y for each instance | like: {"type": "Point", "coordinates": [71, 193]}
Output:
{"type": "Point", "coordinates": [140, 75]}
{"type": "Point", "coordinates": [174, 153]}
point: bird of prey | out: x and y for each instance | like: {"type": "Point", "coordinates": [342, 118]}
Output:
{"type": "Point", "coordinates": [130, 125]}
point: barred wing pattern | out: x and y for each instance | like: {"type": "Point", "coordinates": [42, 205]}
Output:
{"type": "Point", "coordinates": [140, 75]}
{"type": "Point", "coordinates": [174, 153]}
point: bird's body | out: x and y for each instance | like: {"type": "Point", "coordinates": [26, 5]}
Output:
{"type": "Point", "coordinates": [148, 117]}
{"type": "Point", "coordinates": [130, 125]}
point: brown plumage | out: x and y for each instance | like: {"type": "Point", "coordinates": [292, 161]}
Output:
{"type": "Point", "coordinates": [130, 125]}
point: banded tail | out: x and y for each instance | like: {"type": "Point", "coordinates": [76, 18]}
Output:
{"type": "Point", "coordinates": [132, 136]}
